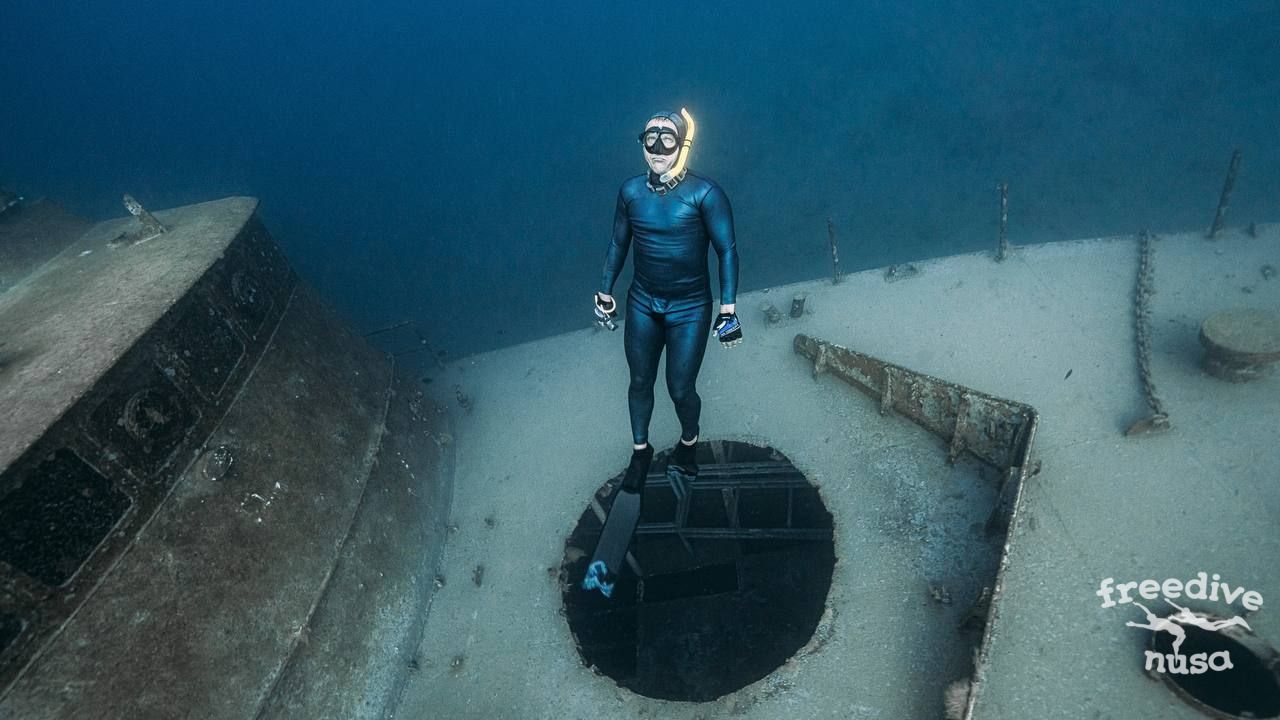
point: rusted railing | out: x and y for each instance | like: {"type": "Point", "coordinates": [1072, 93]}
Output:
{"type": "Point", "coordinates": [998, 432]}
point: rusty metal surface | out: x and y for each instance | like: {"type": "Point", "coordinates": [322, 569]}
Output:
{"type": "Point", "coordinates": [217, 589]}
{"type": "Point", "coordinates": [70, 323]}
{"type": "Point", "coordinates": [148, 227]}
{"type": "Point", "coordinates": [994, 430]}
{"type": "Point", "coordinates": [1243, 335]}
{"type": "Point", "coordinates": [997, 431]}
{"type": "Point", "coordinates": [222, 510]}
{"type": "Point", "coordinates": [362, 641]}
{"type": "Point", "coordinates": [93, 474]}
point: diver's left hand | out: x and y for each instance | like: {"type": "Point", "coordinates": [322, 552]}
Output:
{"type": "Point", "coordinates": [727, 329]}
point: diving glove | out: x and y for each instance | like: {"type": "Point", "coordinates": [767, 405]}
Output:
{"type": "Point", "coordinates": [606, 311]}
{"type": "Point", "coordinates": [727, 329]}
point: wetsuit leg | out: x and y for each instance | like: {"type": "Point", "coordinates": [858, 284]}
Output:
{"type": "Point", "coordinates": [643, 337]}
{"type": "Point", "coordinates": [686, 335]}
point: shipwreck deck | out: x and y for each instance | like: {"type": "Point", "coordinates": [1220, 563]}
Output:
{"type": "Point", "coordinates": [1052, 327]}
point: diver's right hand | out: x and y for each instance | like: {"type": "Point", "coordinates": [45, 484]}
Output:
{"type": "Point", "coordinates": [728, 329]}
{"type": "Point", "coordinates": [605, 303]}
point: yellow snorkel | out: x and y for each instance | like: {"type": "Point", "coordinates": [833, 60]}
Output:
{"type": "Point", "coordinates": [677, 171]}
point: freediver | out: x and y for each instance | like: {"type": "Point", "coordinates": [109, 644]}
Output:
{"type": "Point", "coordinates": [670, 215]}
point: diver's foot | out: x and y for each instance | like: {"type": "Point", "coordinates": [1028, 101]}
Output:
{"type": "Point", "coordinates": [684, 458]}
{"type": "Point", "coordinates": [638, 470]}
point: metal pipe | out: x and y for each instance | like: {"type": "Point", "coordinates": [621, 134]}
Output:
{"type": "Point", "coordinates": [1220, 217]}
{"type": "Point", "coordinates": [1002, 250]}
{"type": "Point", "coordinates": [835, 255]}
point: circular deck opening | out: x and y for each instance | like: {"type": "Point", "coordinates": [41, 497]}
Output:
{"type": "Point", "coordinates": [1250, 688]}
{"type": "Point", "coordinates": [718, 590]}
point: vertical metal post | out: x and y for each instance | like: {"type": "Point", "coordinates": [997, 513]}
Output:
{"type": "Point", "coordinates": [797, 305]}
{"type": "Point", "coordinates": [1220, 217]}
{"type": "Point", "coordinates": [1002, 250]}
{"type": "Point", "coordinates": [835, 256]}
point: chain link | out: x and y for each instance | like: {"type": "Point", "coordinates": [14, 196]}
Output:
{"type": "Point", "coordinates": [1159, 419]}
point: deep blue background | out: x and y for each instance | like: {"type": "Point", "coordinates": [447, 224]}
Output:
{"type": "Point", "coordinates": [458, 163]}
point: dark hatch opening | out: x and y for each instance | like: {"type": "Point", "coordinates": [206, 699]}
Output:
{"type": "Point", "coordinates": [730, 583]}
{"type": "Point", "coordinates": [1249, 689]}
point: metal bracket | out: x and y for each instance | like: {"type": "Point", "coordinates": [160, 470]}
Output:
{"type": "Point", "coordinates": [150, 228]}
{"type": "Point", "coordinates": [997, 431]}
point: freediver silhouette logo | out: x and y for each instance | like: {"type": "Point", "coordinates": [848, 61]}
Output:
{"type": "Point", "coordinates": [1198, 588]}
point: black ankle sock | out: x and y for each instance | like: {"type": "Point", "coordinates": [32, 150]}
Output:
{"type": "Point", "coordinates": [638, 470]}
{"type": "Point", "coordinates": [685, 455]}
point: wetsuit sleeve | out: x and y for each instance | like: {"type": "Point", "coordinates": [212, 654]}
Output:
{"type": "Point", "coordinates": [717, 217]}
{"type": "Point", "coordinates": [618, 246]}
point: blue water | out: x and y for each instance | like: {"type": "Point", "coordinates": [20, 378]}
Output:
{"type": "Point", "coordinates": [458, 163]}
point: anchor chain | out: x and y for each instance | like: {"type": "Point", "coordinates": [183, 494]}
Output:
{"type": "Point", "coordinates": [1159, 419]}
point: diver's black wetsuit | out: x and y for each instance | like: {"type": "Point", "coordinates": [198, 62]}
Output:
{"type": "Point", "coordinates": [669, 301]}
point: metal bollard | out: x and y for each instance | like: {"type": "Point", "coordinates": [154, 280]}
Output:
{"type": "Point", "coordinates": [772, 316]}
{"type": "Point", "coordinates": [797, 305]}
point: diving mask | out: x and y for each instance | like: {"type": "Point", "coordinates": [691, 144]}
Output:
{"type": "Point", "coordinates": [659, 140]}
